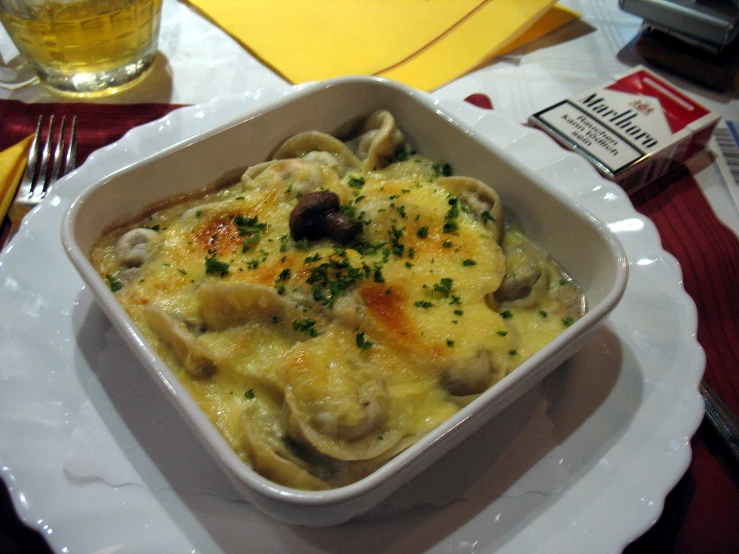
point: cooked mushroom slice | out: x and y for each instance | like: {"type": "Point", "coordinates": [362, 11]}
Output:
{"type": "Point", "coordinates": [481, 199]}
{"type": "Point", "coordinates": [321, 148]}
{"type": "Point", "coordinates": [197, 360]}
{"type": "Point", "coordinates": [136, 246]}
{"type": "Point", "coordinates": [470, 376]}
{"type": "Point", "coordinates": [361, 440]}
{"type": "Point", "coordinates": [378, 141]}
{"type": "Point", "coordinates": [264, 442]}
{"type": "Point", "coordinates": [317, 215]}
{"type": "Point", "coordinates": [226, 305]}
{"type": "Point", "coordinates": [306, 219]}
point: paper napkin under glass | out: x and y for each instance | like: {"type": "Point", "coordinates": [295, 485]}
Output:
{"type": "Point", "coordinates": [422, 43]}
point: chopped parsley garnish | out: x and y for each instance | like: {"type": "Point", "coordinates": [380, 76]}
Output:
{"type": "Point", "coordinates": [502, 333]}
{"type": "Point", "coordinates": [450, 227]}
{"type": "Point", "coordinates": [442, 169]}
{"type": "Point", "coordinates": [487, 217]}
{"type": "Point", "coordinates": [506, 314]}
{"type": "Point", "coordinates": [362, 343]}
{"type": "Point", "coordinates": [422, 232]}
{"type": "Point", "coordinates": [543, 313]}
{"type": "Point", "coordinates": [395, 236]}
{"type": "Point", "coordinates": [468, 262]}
{"type": "Point", "coordinates": [423, 304]}
{"type": "Point", "coordinates": [356, 182]}
{"type": "Point", "coordinates": [335, 277]}
{"type": "Point", "coordinates": [458, 312]}
{"type": "Point", "coordinates": [255, 238]}
{"type": "Point", "coordinates": [302, 244]}
{"type": "Point", "coordinates": [443, 287]}
{"type": "Point", "coordinates": [513, 352]}
{"type": "Point", "coordinates": [249, 394]}
{"type": "Point", "coordinates": [377, 275]}
{"type": "Point", "coordinates": [115, 284]}
{"type": "Point", "coordinates": [568, 320]}
{"type": "Point", "coordinates": [449, 343]}
{"type": "Point", "coordinates": [215, 266]}
{"type": "Point", "coordinates": [366, 248]}
{"type": "Point", "coordinates": [307, 326]}
{"type": "Point", "coordinates": [249, 225]}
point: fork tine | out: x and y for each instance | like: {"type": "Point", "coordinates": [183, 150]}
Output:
{"type": "Point", "coordinates": [71, 158]}
{"type": "Point", "coordinates": [26, 185]}
{"type": "Point", "coordinates": [56, 157]}
{"type": "Point", "coordinates": [39, 183]}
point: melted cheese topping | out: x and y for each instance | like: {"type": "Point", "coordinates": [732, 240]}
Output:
{"type": "Point", "coordinates": [317, 361]}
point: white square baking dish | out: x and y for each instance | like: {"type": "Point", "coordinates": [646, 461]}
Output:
{"type": "Point", "coordinates": [584, 246]}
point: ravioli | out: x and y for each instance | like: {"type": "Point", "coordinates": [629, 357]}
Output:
{"type": "Point", "coordinates": [339, 302]}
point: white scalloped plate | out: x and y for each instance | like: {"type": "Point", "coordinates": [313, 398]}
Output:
{"type": "Point", "coordinates": [619, 414]}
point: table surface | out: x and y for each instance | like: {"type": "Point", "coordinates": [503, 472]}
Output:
{"type": "Point", "coordinates": [570, 60]}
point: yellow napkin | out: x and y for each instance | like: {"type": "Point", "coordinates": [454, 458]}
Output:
{"type": "Point", "coordinates": [12, 165]}
{"type": "Point", "coordinates": [422, 43]}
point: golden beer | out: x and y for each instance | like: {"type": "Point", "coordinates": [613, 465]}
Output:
{"type": "Point", "coordinates": [85, 47]}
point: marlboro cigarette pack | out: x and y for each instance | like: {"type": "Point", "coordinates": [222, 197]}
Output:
{"type": "Point", "coordinates": [634, 128]}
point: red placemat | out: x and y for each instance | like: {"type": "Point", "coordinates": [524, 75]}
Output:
{"type": "Point", "coordinates": [702, 512]}
{"type": "Point", "coordinates": [99, 124]}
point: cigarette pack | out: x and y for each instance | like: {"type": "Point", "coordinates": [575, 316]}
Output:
{"type": "Point", "coordinates": [633, 128]}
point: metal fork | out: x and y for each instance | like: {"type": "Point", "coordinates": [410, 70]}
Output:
{"type": "Point", "coordinates": [55, 162]}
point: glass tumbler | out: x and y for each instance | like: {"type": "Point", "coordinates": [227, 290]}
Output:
{"type": "Point", "coordinates": [85, 48]}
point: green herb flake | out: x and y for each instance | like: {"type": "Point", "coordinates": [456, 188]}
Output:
{"type": "Point", "coordinates": [422, 232]}
{"type": "Point", "coordinates": [442, 169]}
{"type": "Point", "coordinates": [486, 217]}
{"type": "Point", "coordinates": [249, 394]}
{"type": "Point", "coordinates": [356, 182]}
{"type": "Point", "coordinates": [568, 320]}
{"type": "Point", "coordinates": [423, 304]}
{"type": "Point", "coordinates": [214, 266]}
{"type": "Point", "coordinates": [506, 314]}
{"type": "Point", "coordinates": [449, 343]}
{"type": "Point", "coordinates": [115, 284]}
{"type": "Point", "coordinates": [502, 333]}
{"type": "Point", "coordinates": [307, 326]}
{"type": "Point", "coordinates": [468, 262]}
{"type": "Point", "coordinates": [362, 343]}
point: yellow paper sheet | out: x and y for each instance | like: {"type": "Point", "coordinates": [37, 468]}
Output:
{"type": "Point", "coordinates": [423, 43]}
{"type": "Point", "coordinates": [12, 165]}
